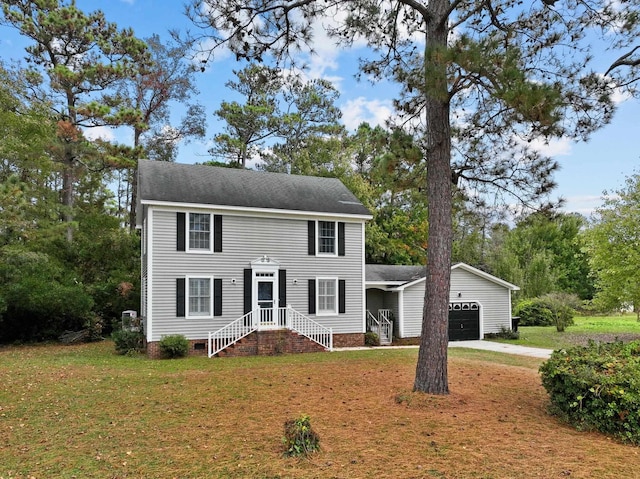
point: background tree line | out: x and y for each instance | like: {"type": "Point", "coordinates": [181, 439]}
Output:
{"type": "Point", "coordinates": [69, 252]}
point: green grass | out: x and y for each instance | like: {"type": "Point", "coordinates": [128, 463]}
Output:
{"type": "Point", "coordinates": [84, 412]}
{"type": "Point", "coordinates": [605, 328]}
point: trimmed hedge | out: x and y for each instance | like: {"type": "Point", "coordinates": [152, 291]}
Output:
{"type": "Point", "coordinates": [597, 387]}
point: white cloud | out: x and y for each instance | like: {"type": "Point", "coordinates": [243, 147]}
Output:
{"type": "Point", "coordinates": [553, 148]}
{"type": "Point", "coordinates": [585, 205]}
{"type": "Point", "coordinates": [358, 110]}
{"type": "Point", "coordinates": [102, 132]}
{"type": "Point", "coordinates": [130, 2]}
{"type": "Point", "coordinates": [203, 58]}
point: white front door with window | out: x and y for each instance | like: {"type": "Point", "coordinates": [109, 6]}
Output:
{"type": "Point", "coordinates": [265, 292]}
{"type": "Point", "coordinates": [265, 299]}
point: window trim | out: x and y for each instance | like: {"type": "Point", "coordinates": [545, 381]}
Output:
{"type": "Point", "coordinates": [187, 224]}
{"type": "Point", "coordinates": [335, 238]}
{"type": "Point", "coordinates": [187, 300]}
{"type": "Point", "coordinates": [335, 311]}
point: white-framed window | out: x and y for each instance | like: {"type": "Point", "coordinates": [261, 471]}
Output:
{"type": "Point", "coordinates": [327, 237]}
{"type": "Point", "coordinates": [199, 297]}
{"type": "Point", "coordinates": [326, 296]}
{"type": "Point", "coordinates": [199, 229]}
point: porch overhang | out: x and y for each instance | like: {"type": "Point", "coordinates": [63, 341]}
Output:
{"type": "Point", "coordinates": [384, 286]}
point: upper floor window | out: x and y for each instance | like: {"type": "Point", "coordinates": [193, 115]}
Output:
{"type": "Point", "coordinates": [326, 237]}
{"type": "Point", "coordinates": [200, 231]}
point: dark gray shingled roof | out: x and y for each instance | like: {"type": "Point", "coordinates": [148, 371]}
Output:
{"type": "Point", "coordinates": [382, 273]}
{"type": "Point", "coordinates": [211, 185]}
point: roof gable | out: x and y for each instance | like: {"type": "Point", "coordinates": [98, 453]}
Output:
{"type": "Point", "coordinates": [167, 182]}
{"type": "Point", "coordinates": [487, 276]}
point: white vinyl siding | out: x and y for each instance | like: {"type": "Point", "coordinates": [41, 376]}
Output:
{"type": "Point", "coordinates": [494, 300]}
{"type": "Point", "coordinates": [412, 307]}
{"type": "Point", "coordinates": [327, 296]}
{"type": "Point", "coordinates": [199, 232]}
{"type": "Point", "coordinates": [245, 238]}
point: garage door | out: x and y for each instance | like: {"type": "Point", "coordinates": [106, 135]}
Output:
{"type": "Point", "coordinates": [464, 321]}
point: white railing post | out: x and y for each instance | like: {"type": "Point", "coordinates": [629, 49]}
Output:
{"type": "Point", "coordinates": [231, 333]}
{"type": "Point", "coordinates": [311, 329]}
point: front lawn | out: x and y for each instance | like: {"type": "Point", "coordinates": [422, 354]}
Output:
{"type": "Point", "coordinates": [82, 411]}
{"type": "Point", "coordinates": [604, 329]}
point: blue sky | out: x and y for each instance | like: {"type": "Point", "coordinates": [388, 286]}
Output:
{"type": "Point", "coordinates": [586, 168]}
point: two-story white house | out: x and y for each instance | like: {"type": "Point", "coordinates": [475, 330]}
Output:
{"type": "Point", "coordinates": [247, 262]}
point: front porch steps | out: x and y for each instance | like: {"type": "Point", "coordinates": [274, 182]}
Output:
{"type": "Point", "coordinates": [271, 343]}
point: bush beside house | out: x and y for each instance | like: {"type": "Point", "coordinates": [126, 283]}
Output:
{"type": "Point", "coordinates": [597, 387]}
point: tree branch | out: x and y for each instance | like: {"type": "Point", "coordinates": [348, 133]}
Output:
{"type": "Point", "coordinates": [625, 60]}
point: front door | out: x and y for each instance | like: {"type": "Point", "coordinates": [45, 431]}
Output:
{"type": "Point", "coordinates": [265, 292]}
{"type": "Point", "coordinates": [266, 302]}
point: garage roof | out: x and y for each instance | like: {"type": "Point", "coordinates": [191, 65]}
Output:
{"type": "Point", "coordinates": [402, 276]}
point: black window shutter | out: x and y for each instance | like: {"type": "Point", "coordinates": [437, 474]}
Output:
{"type": "Point", "coordinates": [340, 238]}
{"type": "Point", "coordinates": [311, 225]}
{"type": "Point", "coordinates": [247, 290]}
{"type": "Point", "coordinates": [282, 288]}
{"type": "Point", "coordinates": [342, 303]}
{"type": "Point", "coordinates": [312, 296]}
{"type": "Point", "coordinates": [180, 297]}
{"type": "Point", "coordinates": [217, 233]}
{"type": "Point", "coordinates": [180, 231]}
{"type": "Point", "coordinates": [217, 297]}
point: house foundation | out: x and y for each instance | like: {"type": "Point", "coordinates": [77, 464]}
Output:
{"type": "Point", "coordinates": [265, 343]}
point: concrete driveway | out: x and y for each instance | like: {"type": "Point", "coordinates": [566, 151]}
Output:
{"type": "Point", "coordinates": [478, 344]}
{"type": "Point", "coordinates": [503, 348]}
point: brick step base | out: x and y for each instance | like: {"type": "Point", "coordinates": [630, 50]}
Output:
{"type": "Point", "coordinates": [269, 343]}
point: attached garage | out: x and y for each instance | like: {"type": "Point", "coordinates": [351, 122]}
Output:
{"type": "Point", "coordinates": [464, 321]}
{"type": "Point", "coordinates": [480, 302]}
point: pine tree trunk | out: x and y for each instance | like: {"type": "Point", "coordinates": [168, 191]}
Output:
{"type": "Point", "coordinates": [133, 180]}
{"type": "Point", "coordinates": [431, 370]}
{"type": "Point", "coordinates": [133, 183]}
{"type": "Point", "coordinates": [68, 195]}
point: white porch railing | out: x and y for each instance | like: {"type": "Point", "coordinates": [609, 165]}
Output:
{"type": "Point", "coordinates": [231, 333]}
{"type": "Point", "coordinates": [309, 328]}
{"type": "Point", "coordinates": [382, 325]}
{"type": "Point", "coordinates": [262, 319]}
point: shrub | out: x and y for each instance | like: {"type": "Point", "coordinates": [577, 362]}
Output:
{"type": "Point", "coordinates": [174, 346]}
{"type": "Point", "coordinates": [300, 439]}
{"type": "Point", "coordinates": [551, 309]}
{"type": "Point", "coordinates": [597, 387]}
{"type": "Point", "coordinates": [41, 298]}
{"type": "Point", "coordinates": [534, 312]}
{"type": "Point", "coordinates": [563, 306]}
{"type": "Point", "coordinates": [95, 326]}
{"type": "Point", "coordinates": [371, 339]}
{"type": "Point", "coordinates": [128, 342]}
{"type": "Point", "coordinates": [505, 333]}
